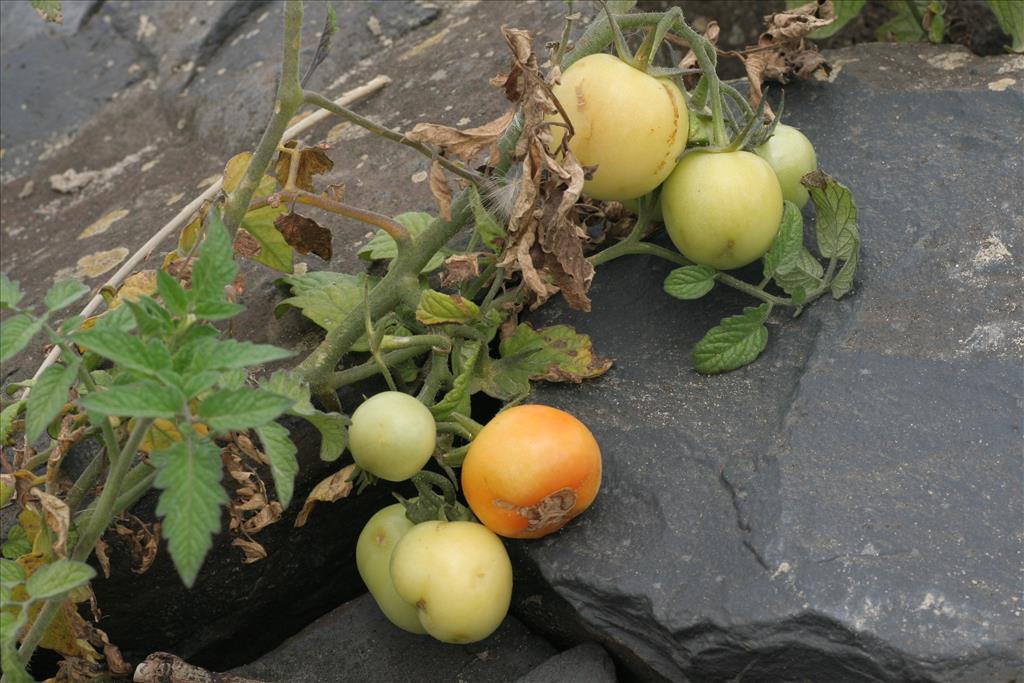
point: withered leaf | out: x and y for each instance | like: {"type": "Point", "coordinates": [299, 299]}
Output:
{"type": "Point", "coordinates": [252, 551]}
{"type": "Point", "coordinates": [441, 190]}
{"type": "Point", "coordinates": [57, 517]}
{"type": "Point", "coordinates": [461, 268]}
{"type": "Point", "coordinates": [464, 144]}
{"type": "Point", "coordinates": [331, 489]}
{"type": "Point", "coordinates": [305, 235]}
{"type": "Point", "coordinates": [312, 161]}
{"type": "Point", "coordinates": [142, 538]}
{"type": "Point", "coordinates": [103, 557]}
{"type": "Point", "coordinates": [245, 245]}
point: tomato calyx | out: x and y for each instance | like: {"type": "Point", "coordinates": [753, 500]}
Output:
{"type": "Point", "coordinates": [429, 505]}
{"type": "Point", "coordinates": [553, 511]}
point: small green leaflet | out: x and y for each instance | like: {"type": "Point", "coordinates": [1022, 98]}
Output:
{"type": "Point", "coordinates": [331, 426]}
{"type": "Point", "coordinates": [63, 294]}
{"type": "Point", "coordinates": [382, 246]}
{"type": "Point", "coordinates": [1010, 15]}
{"type": "Point", "coordinates": [323, 297]}
{"type": "Point", "coordinates": [174, 295]}
{"type": "Point", "coordinates": [17, 543]}
{"type": "Point", "coordinates": [333, 436]}
{"type": "Point", "coordinates": [189, 474]}
{"type": "Point", "coordinates": [457, 398]}
{"type": "Point", "coordinates": [785, 249]}
{"type": "Point", "coordinates": [838, 234]}
{"type": "Point", "coordinates": [139, 399]}
{"type": "Point", "coordinates": [7, 417]}
{"type": "Point", "coordinates": [15, 334]}
{"type": "Point", "coordinates": [215, 268]}
{"type": "Point", "coordinates": [48, 396]}
{"type": "Point", "coordinates": [10, 293]}
{"type": "Point", "coordinates": [280, 452]}
{"type": "Point", "coordinates": [51, 580]}
{"type": "Point", "coordinates": [690, 282]}
{"type": "Point", "coordinates": [436, 308]}
{"type": "Point", "coordinates": [274, 251]}
{"type": "Point", "coordinates": [11, 573]}
{"type": "Point", "coordinates": [127, 351]}
{"type": "Point", "coordinates": [231, 410]}
{"type": "Point", "coordinates": [210, 353]}
{"type": "Point", "coordinates": [737, 341]}
{"type": "Point", "coordinates": [489, 230]}
{"type": "Point", "coordinates": [290, 384]}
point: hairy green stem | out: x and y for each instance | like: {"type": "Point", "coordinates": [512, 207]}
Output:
{"type": "Point", "coordinates": [393, 343]}
{"type": "Point", "coordinates": [134, 485]}
{"type": "Point", "coordinates": [358, 373]}
{"type": "Point", "coordinates": [436, 376]}
{"type": "Point", "coordinates": [469, 424]}
{"type": "Point", "coordinates": [86, 480]}
{"type": "Point", "coordinates": [286, 104]}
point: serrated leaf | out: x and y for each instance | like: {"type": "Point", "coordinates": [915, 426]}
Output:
{"type": "Point", "coordinates": [11, 573]}
{"type": "Point", "coordinates": [217, 310]}
{"type": "Point", "coordinates": [801, 276]}
{"type": "Point", "coordinates": [835, 215]}
{"type": "Point", "coordinates": [842, 283]}
{"type": "Point", "coordinates": [227, 354]}
{"type": "Point", "coordinates": [235, 409]}
{"type": "Point", "coordinates": [174, 295]}
{"type": "Point", "coordinates": [189, 474]}
{"type": "Point", "coordinates": [48, 396]}
{"type": "Point", "coordinates": [436, 308]}
{"type": "Point", "coordinates": [290, 384]}
{"type": "Point", "coordinates": [71, 325]}
{"type": "Point", "coordinates": [10, 293]}
{"type": "Point", "coordinates": [17, 543]}
{"type": "Point", "coordinates": [904, 27]}
{"type": "Point", "coordinates": [127, 351]}
{"type": "Point", "coordinates": [51, 580]}
{"type": "Point", "coordinates": [735, 342]}
{"type": "Point", "coordinates": [63, 294]}
{"type": "Point", "coordinates": [16, 332]}
{"type": "Point", "coordinates": [7, 417]}
{"type": "Point", "coordinates": [326, 298]}
{"type": "Point", "coordinates": [333, 435]}
{"type": "Point", "coordinates": [274, 251]}
{"type": "Point", "coordinates": [489, 230]}
{"type": "Point", "coordinates": [280, 452]}
{"type": "Point", "coordinates": [382, 246]}
{"type": "Point", "coordinates": [150, 317]}
{"type": "Point", "coordinates": [215, 267]}
{"type": "Point", "coordinates": [555, 354]}
{"type": "Point", "coordinates": [138, 399]}
{"type": "Point", "coordinates": [457, 398]}
{"type": "Point", "coordinates": [788, 242]}
{"type": "Point", "coordinates": [690, 282]}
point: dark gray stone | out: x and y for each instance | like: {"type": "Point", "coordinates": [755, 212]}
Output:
{"type": "Point", "coordinates": [849, 507]}
{"type": "Point", "coordinates": [356, 642]}
{"type": "Point", "coordinates": [587, 662]}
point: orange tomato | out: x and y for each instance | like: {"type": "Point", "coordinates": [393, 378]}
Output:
{"type": "Point", "coordinates": [531, 470]}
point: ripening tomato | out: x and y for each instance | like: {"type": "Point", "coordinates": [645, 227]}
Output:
{"type": "Point", "coordinates": [792, 156]}
{"type": "Point", "coordinates": [629, 124]}
{"type": "Point", "coordinates": [531, 470]}
{"type": "Point", "coordinates": [392, 435]}
{"type": "Point", "coordinates": [722, 209]}
{"type": "Point", "coordinates": [373, 560]}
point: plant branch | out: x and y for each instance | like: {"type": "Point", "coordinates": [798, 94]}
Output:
{"type": "Point", "coordinates": [389, 225]}
{"type": "Point", "coordinates": [357, 373]}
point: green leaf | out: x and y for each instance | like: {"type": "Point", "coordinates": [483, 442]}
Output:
{"type": "Point", "coordinates": [215, 268]}
{"type": "Point", "coordinates": [138, 399]}
{"type": "Point", "coordinates": [241, 408]}
{"type": "Point", "coordinates": [49, 10]}
{"type": "Point", "coordinates": [47, 398]}
{"type": "Point", "coordinates": [489, 230]}
{"type": "Point", "coordinates": [280, 452]}
{"type": "Point", "coordinates": [233, 379]}
{"type": "Point", "coordinates": [63, 294]}
{"type": "Point", "coordinates": [555, 354]}
{"type": "Point", "coordinates": [290, 384]}
{"type": "Point", "coordinates": [127, 351]}
{"type": "Point", "coordinates": [274, 252]}
{"type": "Point", "coordinates": [935, 22]}
{"type": "Point", "coordinates": [846, 10]}
{"type": "Point", "coordinates": [10, 293]}
{"type": "Point", "coordinates": [51, 580]}
{"type": "Point", "coordinates": [801, 276]}
{"type": "Point", "coordinates": [382, 246]}
{"type": "Point", "coordinates": [189, 473]}
{"type": "Point", "coordinates": [690, 282]}
{"type": "Point", "coordinates": [71, 324]}
{"type": "Point", "coordinates": [16, 332]}
{"type": "Point", "coordinates": [436, 308]}
{"type": "Point", "coordinates": [738, 340]}
{"type": "Point", "coordinates": [217, 310]}
{"type": "Point", "coordinates": [151, 318]}
{"type": "Point", "coordinates": [1010, 15]}
{"type": "Point", "coordinates": [7, 417]}
{"type": "Point", "coordinates": [174, 295]}
{"type": "Point", "coordinates": [333, 436]}
{"type": "Point", "coordinates": [457, 398]}
{"type": "Point", "coordinates": [227, 354]}
{"type": "Point", "coordinates": [11, 573]}
{"type": "Point", "coordinates": [842, 283]}
{"type": "Point", "coordinates": [904, 27]}
{"type": "Point", "coordinates": [835, 215]}
{"type": "Point", "coordinates": [785, 249]}
{"type": "Point", "coordinates": [327, 298]}
{"type": "Point", "coordinates": [17, 543]}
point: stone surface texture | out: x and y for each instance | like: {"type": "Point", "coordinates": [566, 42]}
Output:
{"type": "Point", "coordinates": [847, 509]}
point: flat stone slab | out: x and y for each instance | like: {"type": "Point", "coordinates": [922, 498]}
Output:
{"type": "Point", "coordinates": [849, 507]}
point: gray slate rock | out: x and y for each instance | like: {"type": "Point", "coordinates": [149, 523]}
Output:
{"type": "Point", "coordinates": [587, 662]}
{"type": "Point", "coordinates": [356, 642]}
{"type": "Point", "coordinates": [849, 507]}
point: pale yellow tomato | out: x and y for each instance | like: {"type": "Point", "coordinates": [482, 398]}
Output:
{"type": "Point", "coordinates": [792, 156]}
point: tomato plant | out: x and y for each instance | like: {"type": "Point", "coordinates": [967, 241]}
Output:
{"type": "Point", "coordinates": [458, 577]}
{"type": "Point", "coordinates": [392, 435]}
{"type": "Point", "coordinates": [629, 124]}
{"type": "Point", "coordinates": [791, 155]}
{"type": "Point", "coordinates": [531, 470]}
{"type": "Point", "coordinates": [722, 209]}
{"type": "Point", "coordinates": [373, 559]}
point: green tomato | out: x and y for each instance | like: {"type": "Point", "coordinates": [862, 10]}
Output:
{"type": "Point", "coordinates": [458, 577]}
{"type": "Point", "coordinates": [373, 559]}
{"type": "Point", "coordinates": [392, 435]}
{"type": "Point", "coordinates": [722, 209]}
{"type": "Point", "coordinates": [792, 156]}
{"type": "Point", "coordinates": [629, 124]}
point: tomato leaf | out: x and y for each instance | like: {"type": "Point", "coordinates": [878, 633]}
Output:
{"type": "Point", "coordinates": [215, 268]}
{"type": "Point", "coordinates": [555, 354]}
{"type": "Point", "coordinates": [16, 332]}
{"type": "Point", "coordinates": [842, 283]}
{"type": "Point", "coordinates": [174, 295]}
{"type": "Point", "coordinates": [305, 235]}
{"type": "Point", "coordinates": [436, 308]}
{"type": "Point", "coordinates": [139, 399]}
{"type": "Point", "coordinates": [457, 398]}
{"type": "Point", "coordinates": [10, 293]}
{"type": "Point", "coordinates": [189, 474]}
{"type": "Point", "coordinates": [690, 282]}
{"type": "Point", "coordinates": [48, 396]}
{"type": "Point", "coordinates": [490, 231]}
{"type": "Point", "coordinates": [241, 408]}
{"type": "Point", "coordinates": [735, 342]}
{"type": "Point", "coordinates": [273, 250]}
{"type": "Point", "coordinates": [312, 161]}
{"type": "Point", "coordinates": [326, 298]}
{"type": "Point", "coordinates": [333, 437]}
{"type": "Point", "coordinates": [51, 580]}
{"type": "Point", "coordinates": [63, 294]}
{"type": "Point", "coordinates": [1010, 16]}
{"type": "Point", "coordinates": [785, 249]}
{"type": "Point", "coordinates": [382, 246]}
{"type": "Point", "coordinates": [280, 452]}
{"type": "Point", "coordinates": [838, 234]}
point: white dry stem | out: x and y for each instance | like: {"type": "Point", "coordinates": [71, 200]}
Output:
{"type": "Point", "coordinates": [183, 216]}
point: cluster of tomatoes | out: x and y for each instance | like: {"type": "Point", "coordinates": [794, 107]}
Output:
{"type": "Point", "coordinates": [527, 473]}
{"type": "Point", "coordinates": [721, 208]}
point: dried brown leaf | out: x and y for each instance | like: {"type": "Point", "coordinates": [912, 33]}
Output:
{"type": "Point", "coordinates": [252, 551]}
{"type": "Point", "coordinates": [312, 161]}
{"type": "Point", "coordinates": [441, 190]}
{"type": "Point", "coordinates": [331, 489]}
{"type": "Point", "coordinates": [305, 234]}
{"type": "Point", "coordinates": [103, 557]}
{"type": "Point", "coordinates": [464, 144]}
{"type": "Point", "coordinates": [461, 268]}
{"type": "Point", "coordinates": [57, 517]}
{"type": "Point", "coordinates": [163, 667]}
{"type": "Point", "coordinates": [796, 23]}
{"type": "Point", "coordinates": [245, 245]}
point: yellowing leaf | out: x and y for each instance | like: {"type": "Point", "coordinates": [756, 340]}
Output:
{"type": "Point", "coordinates": [273, 250]}
{"type": "Point", "coordinates": [135, 286]}
{"type": "Point", "coordinates": [235, 169]}
{"type": "Point", "coordinates": [103, 224]}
